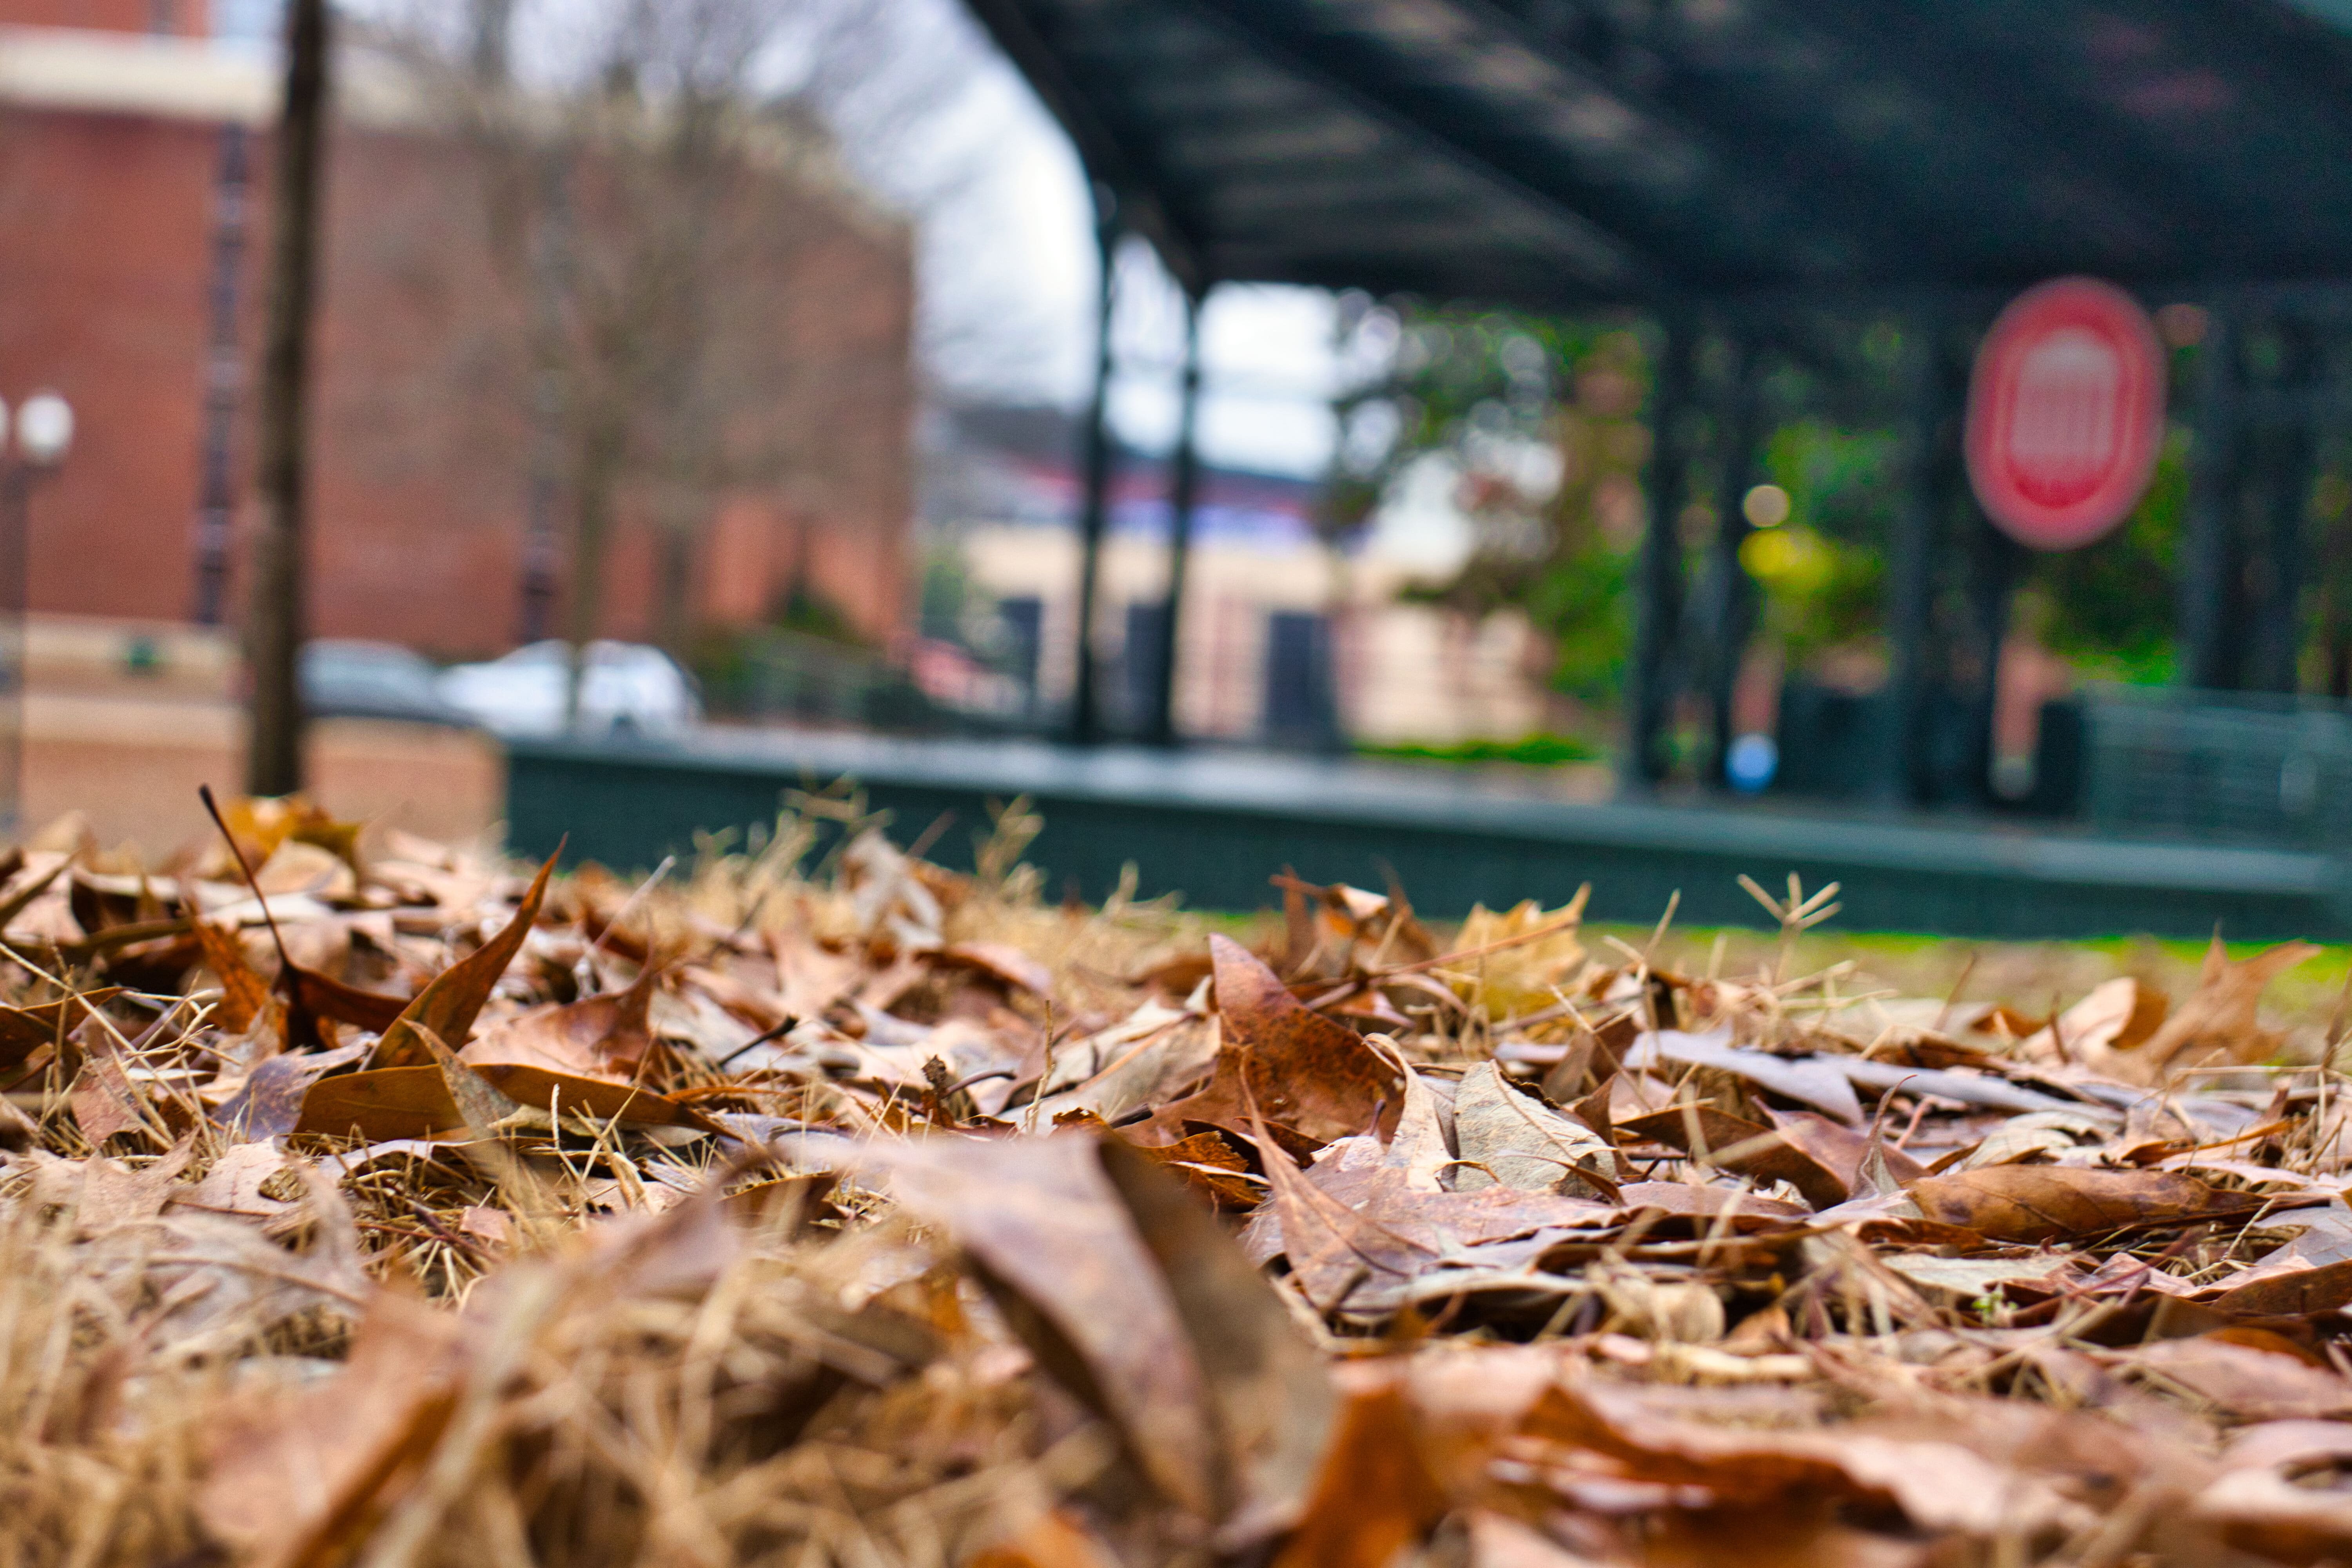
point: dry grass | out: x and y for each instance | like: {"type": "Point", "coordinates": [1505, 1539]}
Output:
{"type": "Point", "coordinates": [550, 1334]}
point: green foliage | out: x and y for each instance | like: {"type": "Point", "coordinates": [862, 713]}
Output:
{"type": "Point", "coordinates": [1824, 571]}
{"type": "Point", "coordinates": [2110, 606]}
{"type": "Point", "coordinates": [1487, 387]}
{"type": "Point", "coordinates": [811, 614]}
{"type": "Point", "coordinates": [1584, 604]}
{"type": "Point", "coordinates": [1539, 750]}
{"type": "Point", "coordinates": [1468, 382]}
{"type": "Point", "coordinates": [945, 595]}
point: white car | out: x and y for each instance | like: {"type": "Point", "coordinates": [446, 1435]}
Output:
{"type": "Point", "coordinates": [624, 688]}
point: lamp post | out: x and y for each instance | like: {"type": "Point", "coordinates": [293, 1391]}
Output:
{"type": "Point", "coordinates": [43, 433]}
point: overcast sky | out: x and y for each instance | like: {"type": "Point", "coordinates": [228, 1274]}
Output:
{"type": "Point", "coordinates": [1009, 272]}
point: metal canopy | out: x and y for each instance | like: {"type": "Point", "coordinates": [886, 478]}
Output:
{"type": "Point", "coordinates": [1551, 153]}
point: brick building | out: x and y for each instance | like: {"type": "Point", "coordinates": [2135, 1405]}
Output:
{"type": "Point", "coordinates": [116, 117]}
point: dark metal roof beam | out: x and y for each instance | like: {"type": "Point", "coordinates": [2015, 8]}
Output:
{"type": "Point", "coordinates": [1671, 182]}
{"type": "Point", "coordinates": [1340, 190]}
{"type": "Point", "coordinates": [1275, 143]}
{"type": "Point", "coordinates": [1611, 259]}
{"type": "Point", "coordinates": [1405, 227]}
{"type": "Point", "coordinates": [1111, 154]}
{"type": "Point", "coordinates": [2054, 146]}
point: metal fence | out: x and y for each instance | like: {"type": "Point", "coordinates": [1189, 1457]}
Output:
{"type": "Point", "coordinates": [2219, 766]}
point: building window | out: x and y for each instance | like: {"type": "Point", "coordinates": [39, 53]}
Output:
{"type": "Point", "coordinates": [1147, 621]}
{"type": "Point", "coordinates": [1298, 706]}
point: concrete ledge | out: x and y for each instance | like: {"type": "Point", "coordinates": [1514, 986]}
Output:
{"type": "Point", "coordinates": [1215, 825]}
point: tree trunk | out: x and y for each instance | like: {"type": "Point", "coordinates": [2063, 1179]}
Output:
{"type": "Point", "coordinates": [274, 620]}
{"type": "Point", "coordinates": [598, 478]}
{"type": "Point", "coordinates": [674, 582]}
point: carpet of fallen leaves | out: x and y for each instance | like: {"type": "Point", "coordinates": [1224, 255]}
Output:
{"type": "Point", "coordinates": [388, 1203]}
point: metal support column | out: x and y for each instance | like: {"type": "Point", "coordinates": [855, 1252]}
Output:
{"type": "Point", "coordinates": [1658, 582]}
{"type": "Point", "coordinates": [2210, 557]}
{"type": "Point", "coordinates": [1933, 460]}
{"type": "Point", "coordinates": [1729, 597]}
{"type": "Point", "coordinates": [2286, 469]}
{"type": "Point", "coordinates": [1096, 459]}
{"type": "Point", "coordinates": [1997, 564]}
{"type": "Point", "coordinates": [1183, 493]}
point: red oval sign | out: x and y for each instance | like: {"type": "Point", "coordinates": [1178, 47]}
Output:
{"type": "Point", "coordinates": [2065, 412]}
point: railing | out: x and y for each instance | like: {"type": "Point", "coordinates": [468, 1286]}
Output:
{"type": "Point", "coordinates": [2243, 767]}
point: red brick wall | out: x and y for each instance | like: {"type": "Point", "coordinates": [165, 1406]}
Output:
{"type": "Point", "coordinates": [186, 17]}
{"type": "Point", "coordinates": [419, 464]}
{"type": "Point", "coordinates": [103, 224]}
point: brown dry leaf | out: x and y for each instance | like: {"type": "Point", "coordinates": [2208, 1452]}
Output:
{"type": "Point", "coordinates": [1335, 1251]}
{"type": "Point", "coordinates": [597, 1097]}
{"type": "Point", "coordinates": [104, 1102]}
{"type": "Point", "coordinates": [809, 979]}
{"type": "Point", "coordinates": [1056, 1539]}
{"type": "Point", "coordinates": [449, 1005]}
{"type": "Point", "coordinates": [380, 1104]}
{"type": "Point", "coordinates": [23, 1030]}
{"type": "Point", "coordinates": [312, 995]}
{"type": "Point", "coordinates": [113, 1194]}
{"type": "Point", "coordinates": [1738, 1212]}
{"type": "Point", "coordinates": [2243, 1382]}
{"type": "Point", "coordinates": [1845, 1151]}
{"type": "Point", "coordinates": [1942, 1486]}
{"type": "Point", "coordinates": [269, 1103]}
{"type": "Point", "coordinates": [296, 1481]}
{"type": "Point", "coordinates": [2218, 1024]}
{"type": "Point", "coordinates": [2119, 1014]}
{"type": "Point", "coordinates": [262, 825]}
{"type": "Point", "coordinates": [232, 1186]}
{"type": "Point", "coordinates": [604, 1036]}
{"type": "Point", "coordinates": [1820, 1084]}
{"type": "Point", "coordinates": [386, 1103]}
{"type": "Point", "coordinates": [1003, 962]}
{"type": "Point", "coordinates": [710, 1341]}
{"type": "Point", "coordinates": [1499, 1541]}
{"type": "Point", "coordinates": [2289, 1292]}
{"type": "Point", "coordinates": [1522, 1143]}
{"type": "Point", "coordinates": [1435, 1220]}
{"type": "Point", "coordinates": [1735, 1143]}
{"type": "Point", "coordinates": [1525, 976]}
{"type": "Point", "coordinates": [244, 991]}
{"type": "Point", "coordinates": [2048, 1203]}
{"type": "Point", "coordinates": [1208, 1162]}
{"type": "Point", "coordinates": [1376, 1496]}
{"type": "Point", "coordinates": [1270, 1402]}
{"type": "Point", "coordinates": [1053, 1239]}
{"type": "Point", "coordinates": [1303, 1070]}
{"type": "Point", "coordinates": [2282, 1493]}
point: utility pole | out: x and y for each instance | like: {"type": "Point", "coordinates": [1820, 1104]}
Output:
{"type": "Point", "coordinates": [274, 618]}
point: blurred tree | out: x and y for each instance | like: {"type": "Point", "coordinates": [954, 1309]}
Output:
{"type": "Point", "coordinates": [274, 626]}
{"type": "Point", "coordinates": [645, 188]}
{"type": "Point", "coordinates": [2331, 507]}
{"type": "Point", "coordinates": [1540, 419]}
{"type": "Point", "coordinates": [2109, 607]}
{"type": "Point", "coordinates": [1823, 570]}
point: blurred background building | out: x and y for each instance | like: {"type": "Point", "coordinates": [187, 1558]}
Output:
{"type": "Point", "coordinates": [132, 148]}
{"type": "Point", "coordinates": [1562, 383]}
{"type": "Point", "coordinates": [1289, 639]}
